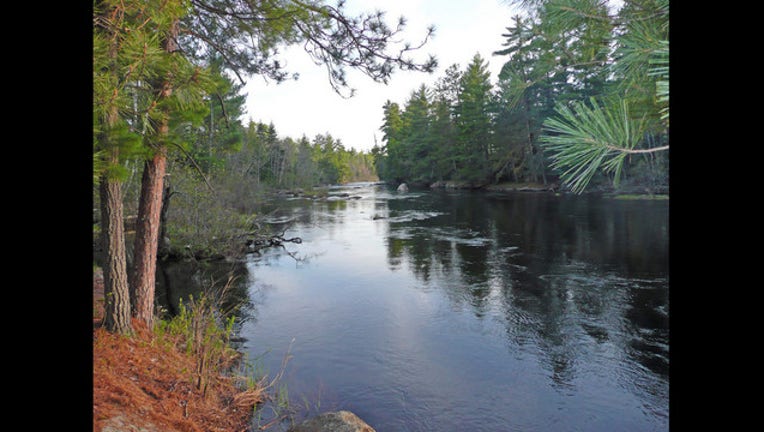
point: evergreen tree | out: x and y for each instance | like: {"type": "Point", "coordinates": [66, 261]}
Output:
{"type": "Point", "coordinates": [473, 122]}
{"type": "Point", "coordinates": [625, 87]}
{"type": "Point", "coordinates": [443, 131]}
{"type": "Point", "coordinates": [180, 87]}
{"type": "Point", "coordinates": [442, 141]}
{"type": "Point", "coordinates": [396, 165]}
{"type": "Point", "coordinates": [306, 174]}
{"type": "Point", "coordinates": [514, 136]}
{"type": "Point", "coordinates": [415, 131]}
{"type": "Point", "coordinates": [525, 82]}
{"type": "Point", "coordinates": [220, 132]}
{"type": "Point", "coordinates": [123, 54]}
{"type": "Point", "coordinates": [380, 159]}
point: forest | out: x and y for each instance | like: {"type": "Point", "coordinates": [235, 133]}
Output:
{"type": "Point", "coordinates": [582, 97]}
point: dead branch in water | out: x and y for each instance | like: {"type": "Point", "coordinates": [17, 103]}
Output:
{"type": "Point", "coordinates": [257, 241]}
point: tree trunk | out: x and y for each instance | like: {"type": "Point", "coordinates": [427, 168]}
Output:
{"type": "Point", "coordinates": [143, 282]}
{"type": "Point", "coordinates": [116, 291]}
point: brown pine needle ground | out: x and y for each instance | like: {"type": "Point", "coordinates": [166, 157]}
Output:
{"type": "Point", "coordinates": [147, 384]}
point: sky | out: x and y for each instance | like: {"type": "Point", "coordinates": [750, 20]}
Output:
{"type": "Point", "coordinates": [309, 106]}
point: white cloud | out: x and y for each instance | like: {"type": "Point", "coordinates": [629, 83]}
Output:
{"type": "Point", "coordinates": [309, 105]}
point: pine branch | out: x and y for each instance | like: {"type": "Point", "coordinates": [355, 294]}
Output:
{"type": "Point", "coordinates": [582, 139]}
{"type": "Point", "coordinates": [222, 107]}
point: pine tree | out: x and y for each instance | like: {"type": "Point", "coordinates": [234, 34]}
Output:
{"type": "Point", "coordinates": [473, 122]}
{"type": "Point", "coordinates": [443, 133]}
{"type": "Point", "coordinates": [415, 137]}
{"type": "Point", "coordinates": [180, 88]}
{"type": "Point", "coordinates": [392, 126]}
{"type": "Point", "coordinates": [613, 103]}
{"type": "Point", "coordinates": [123, 53]}
{"type": "Point", "coordinates": [220, 132]}
{"type": "Point", "coordinates": [306, 171]}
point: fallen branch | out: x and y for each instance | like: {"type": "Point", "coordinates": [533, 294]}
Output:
{"type": "Point", "coordinates": [257, 241]}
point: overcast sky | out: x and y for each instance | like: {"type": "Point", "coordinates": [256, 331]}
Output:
{"type": "Point", "coordinates": [309, 106]}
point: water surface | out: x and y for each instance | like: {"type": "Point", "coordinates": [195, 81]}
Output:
{"type": "Point", "coordinates": [468, 311]}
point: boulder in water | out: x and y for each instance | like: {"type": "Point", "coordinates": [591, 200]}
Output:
{"type": "Point", "coordinates": [338, 421]}
{"type": "Point", "coordinates": [403, 187]}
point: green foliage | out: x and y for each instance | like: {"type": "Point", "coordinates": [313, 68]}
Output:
{"type": "Point", "coordinates": [535, 124]}
{"type": "Point", "coordinates": [416, 128]}
{"type": "Point", "coordinates": [642, 55]}
{"type": "Point", "coordinates": [590, 139]}
{"type": "Point", "coordinates": [122, 56]}
{"type": "Point", "coordinates": [218, 133]}
{"type": "Point", "coordinates": [443, 138]}
{"type": "Point", "coordinates": [331, 158]}
{"type": "Point", "coordinates": [584, 138]}
{"type": "Point", "coordinates": [442, 133]}
{"type": "Point", "coordinates": [473, 118]}
{"type": "Point", "coordinates": [660, 70]}
{"type": "Point", "coordinates": [158, 61]}
{"type": "Point", "coordinates": [392, 133]}
{"type": "Point", "coordinates": [205, 334]}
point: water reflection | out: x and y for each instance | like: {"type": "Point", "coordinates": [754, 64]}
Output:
{"type": "Point", "coordinates": [569, 273]}
{"type": "Point", "coordinates": [474, 311]}
{"type": "Point", "coordinates": [180, 280]}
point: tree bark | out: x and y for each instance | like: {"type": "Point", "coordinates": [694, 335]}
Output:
{"type": "Point", "coordinates": [116, 291]}
{"type": "Point", "coordinates": [143, 282]}
{"type": "Point", "coordinates": [115, 276]}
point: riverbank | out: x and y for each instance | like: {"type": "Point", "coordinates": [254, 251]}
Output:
{"type": "Point", "coordinates": [554, 187]}
{"type": "Point", "coordinates": [145, 383]}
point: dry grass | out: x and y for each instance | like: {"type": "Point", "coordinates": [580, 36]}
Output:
{"type": "Point", "coordinates": [150, 384]}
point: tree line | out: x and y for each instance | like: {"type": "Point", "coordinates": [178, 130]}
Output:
{"type": "Point", "coordinates": [162, 99]}
{"type": "Point", "coordinates": [582, 96]}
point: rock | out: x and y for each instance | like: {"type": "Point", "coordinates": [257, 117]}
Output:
{"type": "Point", "coordinates": [122, 424]}
{"type": "Point", "coordinates": [338, 421]}
{"type": "Point", "coordinates": [403, 187]}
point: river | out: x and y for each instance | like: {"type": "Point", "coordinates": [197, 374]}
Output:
{"type": "Point", "coordinates": [468, 311]}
